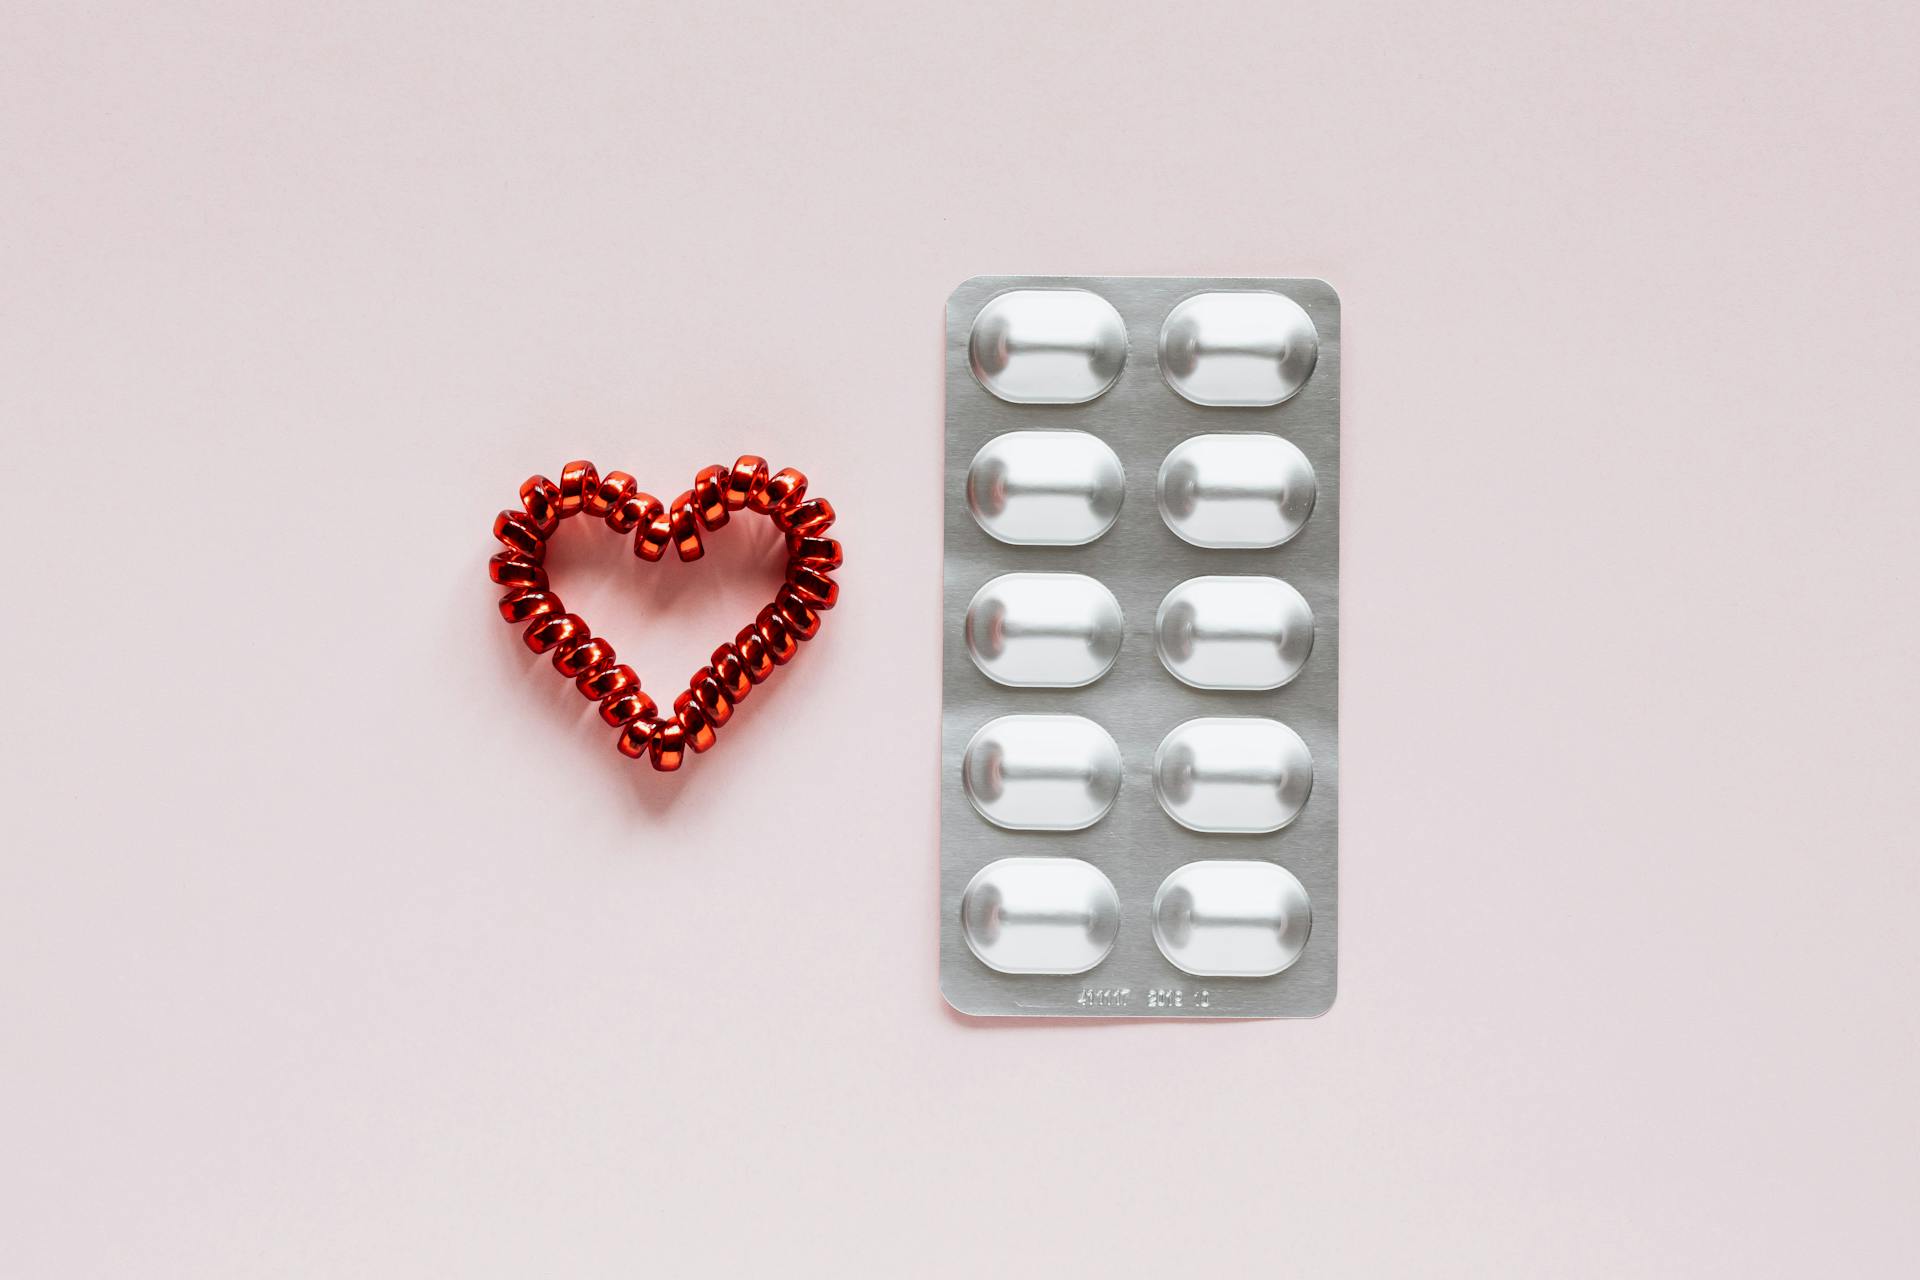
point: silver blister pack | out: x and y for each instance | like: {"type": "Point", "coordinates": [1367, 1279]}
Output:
{"type": "Point", "coordinates": [1139, 722]}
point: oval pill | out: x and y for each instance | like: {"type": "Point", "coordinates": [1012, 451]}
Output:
{"type": "Point", "coordinates": [1045, 488]}
{"type": "Point", "coordinates": [1235, 491]}
{"type": "Point", "coordinates": [1044, 630]}
{"type": "Point", "coordinates": [1040, 915]}
{"type": "Point", "coordinates": [1231, 919]}
{"type": "Point", "coordinates": [1041, 772]}
{"type": "Point", "coordinates": [1234, 632]}
{"type": "Point", "coordinates": [1238, 348]}
{"type": "Point", "coordinates": [1047, 346]}
{"type": "Point", "coordinates": [1237, 774]}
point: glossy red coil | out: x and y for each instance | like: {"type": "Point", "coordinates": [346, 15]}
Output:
{"type": "Point", "coordinates": [714, 693]}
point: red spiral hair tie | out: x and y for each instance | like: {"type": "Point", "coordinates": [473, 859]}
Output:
{"type": "Point", "coordinates": [771, 640]}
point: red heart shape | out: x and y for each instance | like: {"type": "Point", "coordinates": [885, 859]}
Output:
{"type": "Point", "coordinates": [771, 640]}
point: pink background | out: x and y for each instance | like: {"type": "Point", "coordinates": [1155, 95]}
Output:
{"type": "Point", "coordinates": [334, 942]}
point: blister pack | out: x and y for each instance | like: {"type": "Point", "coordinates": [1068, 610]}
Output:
{"type": "Point", "coordinates": [1139, 724]}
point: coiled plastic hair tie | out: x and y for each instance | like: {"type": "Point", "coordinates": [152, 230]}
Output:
{"type": "Point", "coordinates": [772, 640]}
